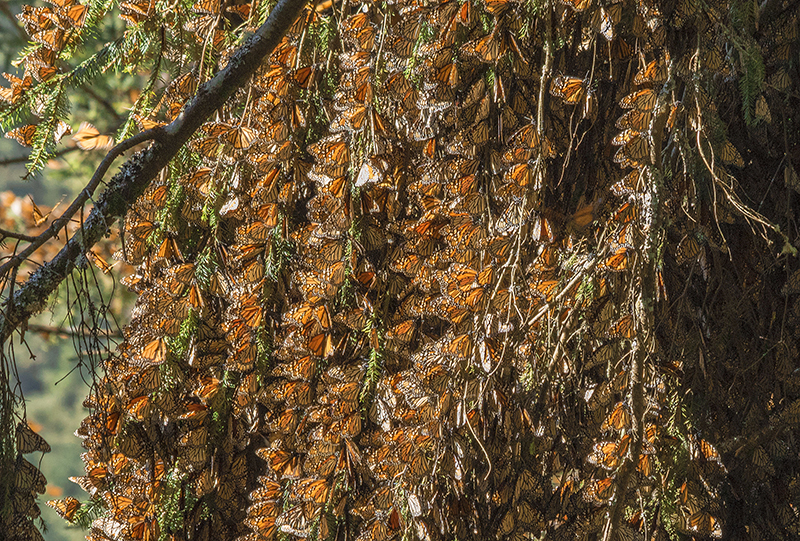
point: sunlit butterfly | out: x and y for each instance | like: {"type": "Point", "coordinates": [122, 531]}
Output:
{"type": "Point", "coordinates": [643, 100]}
{"type": "Point", "coordinates": [635, 119]}
{"type": "Point", "coordinates": [23, 135]}
{"type": "Point", "coordinates": [52, 39]}
{"type": "Point", "coordinates": [705, 524]}
{"type": "Point", "coordinates": [609, 454]}
{"type": "Point", "coordinates": [89, 138]}
{"type": "Point", "coordinates": [654, 72]}
{"type": "Point", "coordinates": [619, 418]}
{"type": "Point", "coordinates": [488, 48]}
{"type": "Point", "coordinates": [577, 5]}
{"type": "Point", "coordinates": [136, 11]}
{"type": "Point", "coordinates": [65, 508]}
{"type": "Point", "coordinates": [619, 261]}
{"type": "Point", "coordinates": [600, 490]}
{"type": "Point", "coordinates": [570, 89]}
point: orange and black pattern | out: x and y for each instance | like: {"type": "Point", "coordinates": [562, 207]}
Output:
{"type": "Point", "coordinates": [393, 289]}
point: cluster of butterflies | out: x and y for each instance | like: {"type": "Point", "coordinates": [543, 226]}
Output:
{"type": "Point", "coordinates": [28, 482]}
{"type": "Point", "coordinates": [53, 28]}
{"type": "Point", "coordinates": [356, 312]}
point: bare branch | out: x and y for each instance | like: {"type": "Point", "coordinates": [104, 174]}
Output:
{"type": "Point", "coordinates": [24, 159]}
{"type": "Point", "coordinates": [67, 332]}
{"type": "Point", "coordinates": [5, 234]}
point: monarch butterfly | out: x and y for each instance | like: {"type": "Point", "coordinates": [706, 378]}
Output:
{"type": "Point", "coordinates": [139, 407]}
{"type": "Point", "coordinates": [364, 37]}
{"type": "Point", "coordinates": [654, 72]}
{"type": "Point", "coordinates": [88, 138]}
{"type": "Point", "coordinates": [99, 262]}
{"type": "Point", "coordinates": [29, 441]}
{"type": "Point", "coordinates": [577, 5]}
{"type": "Point", "coordinates": [72, 16]}
{"type": "Point", "coordinates": [332, 152]}
{"type": "Point", "coordinates": [447, 74]}
{"type": "Point", "coordinates": [36, 18]}
{"type": "Point", "coordinates": [627, 213]}
{"type": "Point", "coordinates": [402, 42]}
{"type": "Point", "coordinates": [607, 454]}
{"type": "Point", "coordinates": [622, 328]}
{"type": "Point", "coordinates": [346, 391]}
{"type": "Point", "coordinates": [703, 523]}
{"type": "Point", "coordinates": [283, 463]}
{"type": "Point", "coordinates": [546, 290]}
{"type": "Point", "coordinates": [459, 347]}
{"type": "Point", "coordinates": [461, 167]}
{"type": "Point", "coordinates": [731, 156]}
{"type": "Point", "coordinates": [154, 352]}
{"type": "Point", "coordinates": [618, 419]}
{"type": "Point", "coordinates": [261, 518]}
{"type": "Point", "coordinates": [500, 246]}
{"type": "Point", "coordinates": [298, 519]}
{"type": "Point", "coordinates": [182, 87]}
{"type": "Point", "coordinates": [269, 491]}
{"type": "Point", "coordinates": [708, 452]}
{"type": "Point", "coordinates": [28, 478]}
{"type": "Point", "coordinates": [52, 39]}
{"type": "Point", "coordinates": [570, 89]}
{"type": "Point", "coordinates": [620, 49]}
{"type": "Point", "coordinates": [603, 355]}
{"type": "Point", "coordinates": [321, 345]}
{"type": "Point", "coordinates": [136, 12]}
{"type": "Point", "coordinates": [600, 490]}
{"type": "Point", "coordinates": [239, 137]}
{"type": "Point", "coordinates": [464, 232]}
{"type": "Point", "coordinates": [635, 152]}
{"type": "Point", "coordinates": [42, 73]}
{"type": "Point", "coordinates": [314, 490]}
{"type": "Point", "coordinates": [409, 264]}
{"type": "Point", "coordinates": [689, 249]}
{"type": "Point", "coordinates": [41, 57]}
{"type": "Point", "coordinates": [603, 20]}
{"type": "Point", "coordinates": [629, 184]}
{"type": "Point", "coordinates": [294, 393]}
{"type": "Point", "coordinates": [619, 261]}
{"type": "Point", "coordinates": [585, 214]}
{"type": "Point", "coordinates": [643, 100]}
{"type": "Point", "coordinates": [781, 80]}
{"type": "Point", "coordinates": [542, 230]}
{"type": "Point", "coordinates": [623, 237]}
{"type": "Point", "coordinates": [23, 135]}
{"type": "Point", "coordinates": [498, 7]}
{"type": "Point", "coordinates": [286, 422]}
{"type": "Point", "coordinates": [636, 120]}
{"type": "Point", "coordinates": [488, 48]}
{"type": "Point", "coordinates": [519, 174]}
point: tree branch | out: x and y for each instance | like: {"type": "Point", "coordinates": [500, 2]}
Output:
{"type": "Point", "coordinates": [67, 332]}
{"type": "Point", "coordinates": [137, 173]}
{"type": "Point", "coordinates": [24, 159]}
{"type": "Point", "coordinates": [5, 234]}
